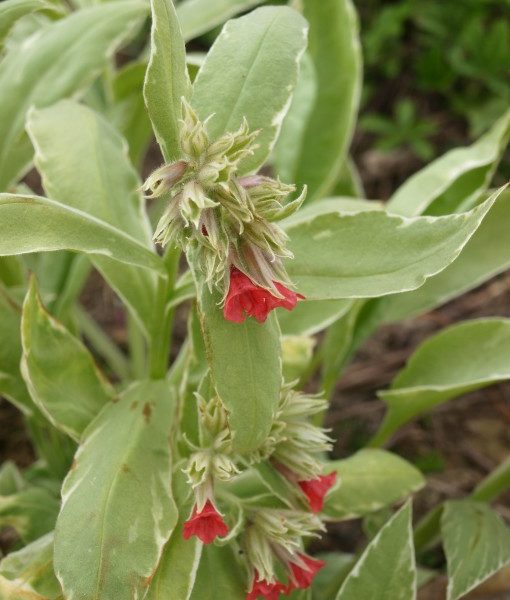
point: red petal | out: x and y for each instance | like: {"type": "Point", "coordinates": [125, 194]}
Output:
{"type": "Point", "coordinates": [206, 524]}
{"type": "Point", "coordinates": [244, 299]}
{"type": "Point", "coordinates": [264, 589]}
{"type": "Point", "coordinates": [304, 576]}
{"type": "Point", "coordinates": [316, 489]}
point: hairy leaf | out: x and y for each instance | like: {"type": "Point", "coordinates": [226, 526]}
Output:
{"type": "Point", "coordinates": [117, 507]}
{"type": "Point", "coordinates": [251, 72]}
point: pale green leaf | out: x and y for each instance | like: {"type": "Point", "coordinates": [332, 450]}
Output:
{"type": "Point", "coordinates": [368, 481]}
{"type": "Point", "coordinates": [28, 573]}
{"type": "Point", "coordinates": [336, 52]}
{"type": "Point", "coordinates": [167, 80]}
{"type": "Point", "coordinates": [32, 512]}
{"type": "Point", "coordinates": [311, 316]}
{"type": "Point", "coordinates": [325, 206]}
{"type": "Point", "coordinates": [59, 371]}
{"type": "Point", "coordinates": [372, 253]}
{"type": "Point", "coordinates": [485, 255]}
{"type": "Point", "coordinates": [199, 16]}
{"type": "Point", "coordinates": [251, 72]}
{"type": "Point", "coordinates": [453, 181]}
{"type": "Point", "coordinates": [386, 570]}
{"type": "Point", "coordinates": [250, 386]}
{"type": "Point", "coordinates": [117, 507]}
{"type": "Point", "coordinates": [476, 543]}
{"type": "Point", "coordinates": [37, 224]}
{"type": "Point", "coordinates": [461, 358]}
{"type": "Point", "coordinates": [219, 575]}
{"type": "Point", "coordinates": [12, 10]}
{"type": "Point", "coordinates": [83, 163]}
{"type": "Point", "coordinates": [56, 62]}
{"type": "Point", "coordinates": [11, 479]}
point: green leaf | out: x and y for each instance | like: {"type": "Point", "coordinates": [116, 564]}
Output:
{"type": "Point", "coordinates": [84, 165]}
{"type": "Point", "coordinates": [368, 481]}
{"type": "Point", "coordinates": [476, 543]}
{"type": "Point", "coordinates": [38, 73]}
{"type": "Point", "coordinates": [11, 480]}
{"type": "Point", "coordinates": [12, 271]}
{"type": "Point", "coordinates": [386, 570]}
{"type": "Point", "coordinates": [462, 358]}
{"type": "Point", "coordinates": [59, 371]}
{"type": "Point", "coordinates": [336, 52]}
{"type": "Point", "coordinates": [28, 573]}
{"type": "Point", "coordinates": [167, 79]}
{"type": "Point", "coordinates": [117, 507]}
{"type": "Point", "coordinates": [219, 575]}
{"type": "Point", "coordinates": [312, 316]}
{"type": "Point", "coordinates": [12, 10]}
{"type": "Point", "coordinates": [32, 512]}
{"type": "Point", "coordinates": [454, 181]}
{"type": "Point", "coordinates": [246, 370]}
{"type": "Point", "coordinates": [251, 71]}
{"type": "Point", "coordinates": [373, 253]}
{"type": "Point", "coordinates": [199, 16]}
{"type": "Point", "coordinates": [37, 224]}
{"type": "Point", "coordinates": [485, 255]}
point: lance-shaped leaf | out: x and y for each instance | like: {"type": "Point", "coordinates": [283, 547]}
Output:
{"type": "Point", "coordinates": [32, 512]}
{"type": "Point", "coordinates": [38, 73]}
{"type": "Point", "coordinates": [455, 180]}
{"type": "Point", "coordinates": [167, 80]}
{"type": "Point", "coordinates": [485, 255]}
{"type": "Point", "coordinates": [12, 385]}
{"type": "Point", "coordinates": [476, 544]}
{"type": "Point", "coordinates": [387, 569]}
{"type": "Point", "coordinates": [117, 507]}
{"type": "Point", "coordinates": [28, 573]}
{"type": "Point", "coordinates": [372, 253]}
{"type": "Point", "coordinates": [459, 359]}
{"type": "Point", "coordinates": [83, 163]}
{"type": "Point", "coordinates": [246, 370]}
{"type": "Point", "coordinates": [219, 575]}
{"type": "Point", "coordinates": [59, 371]}
{"type": "Point", "coordinates": [199, 16]}
{"type": "Point", "coordinates": [336, 53]}
{"type": "Point", "coordinates": [368, 481]}
{"type": "Point", "coordinates": [37, 224]}
{"type": "Point", "coordinates": [250, 72]}
{"type": "Point", "coordinates": [12, 10]}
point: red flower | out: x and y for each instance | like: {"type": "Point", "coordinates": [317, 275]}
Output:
{"type": "Point", "coordinates": [263, 588]}
{"type": "Point", "coordinates": [244, 299]}
{"type": "Point", "coordinates": [206, 524]}
{"type": "Point", "coordinates": [303, 574]}
{"type": "Point", "coordinates": [316, 489]}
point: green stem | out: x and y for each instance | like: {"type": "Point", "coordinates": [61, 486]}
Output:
{"type": "Point", "coordinates": [137, 349]}
{"type": "Point", "coordinates": [163, 318]}
{"type": "Point", "coordinates": [104, 346]}
{"type": "Point", "coordinates": [494, 484]}
{"type": "Point", "coordinates": [428, 529]}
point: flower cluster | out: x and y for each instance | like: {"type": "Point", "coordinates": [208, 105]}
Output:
{"type": "Point", "coordinates": [210, 462]}
{"type": "Point", "coordinates": [295, 444]}
{"type": "Point", "coordinates": [273, 541]}
{"type": "Point", "coordinates": [226, 222]}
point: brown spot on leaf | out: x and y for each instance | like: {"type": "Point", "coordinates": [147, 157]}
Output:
{"type": "Point", "coordinates": [134, 404]}
{"type": "Point", "coordinates": [147, 411]}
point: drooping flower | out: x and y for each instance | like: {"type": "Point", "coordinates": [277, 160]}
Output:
{"type": "Point", "coordinates": [245, 299]}
{"type": "Point", "coordinates": [303, 568]}
{"type": "Point", "coordinates": [265, 589]}
{"type": "Point", "coordinates": [206, 524]}
{"type": "Point", "coordinates": [316, 489]}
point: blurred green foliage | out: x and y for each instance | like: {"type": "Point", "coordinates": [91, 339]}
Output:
{"type": "Point", "coordinates": [425, 59]}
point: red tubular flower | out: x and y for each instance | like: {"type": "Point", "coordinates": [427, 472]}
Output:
{"type": "Point", "coordinates": [316, 489]}
{"type": "Point", "coordinates": [244, 299]}
{"type": "Point", "coordinates": [206, 524]}
{"type": "Point", "coordinates": [304, 572]}
{"type": "Point", "coordinates": [264, 589]}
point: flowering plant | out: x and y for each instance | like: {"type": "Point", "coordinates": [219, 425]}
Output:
{"type": "Point", "coordinates": [202, 470]}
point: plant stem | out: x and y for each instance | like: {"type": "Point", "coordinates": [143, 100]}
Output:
{"type": "Point", "coordinates": [104, 346]}
{"type": "Point", "coordinates": [137, 348]}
